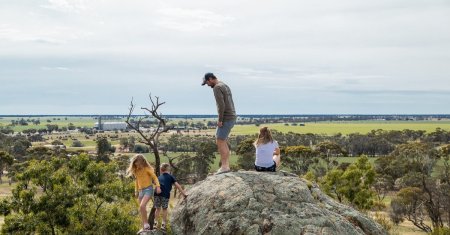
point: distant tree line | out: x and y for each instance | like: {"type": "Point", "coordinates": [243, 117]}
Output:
{"type": "Point", "coordinates": [375, 143]}
{"type": "Point", "coordinates": [264, 119]}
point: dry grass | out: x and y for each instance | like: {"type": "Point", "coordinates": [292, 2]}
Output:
{"type": "Point", "coordinates": [404, 228]}
{"type": "Point", "coordinates": [5, 191]}
{"type": "Point", "coordinates": [407, 228]}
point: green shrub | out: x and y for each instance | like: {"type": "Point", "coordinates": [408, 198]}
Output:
{"type": "Point", "coordinates": [441, 231]}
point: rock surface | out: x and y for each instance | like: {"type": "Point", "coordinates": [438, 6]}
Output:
{"type": "Point", "coordinates": [247, 202]}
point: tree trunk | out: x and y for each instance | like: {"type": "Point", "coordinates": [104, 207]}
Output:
{"type": "Point", "coordinates": [151, 218]}
{"type": "Point", "coordinates": [157, 160]}
{"type": "Point", "coordinates": [431, 206]}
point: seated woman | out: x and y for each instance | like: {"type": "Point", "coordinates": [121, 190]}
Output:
{"type": "Point", "coordinates": [267, 151]}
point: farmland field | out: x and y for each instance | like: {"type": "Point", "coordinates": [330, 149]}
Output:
{"type": "Point", "coordinates": [347, 127]}
{"type": "Point", "coordinates": [60, 121]}
{"type": "Point", "coordinates": [326, 127]}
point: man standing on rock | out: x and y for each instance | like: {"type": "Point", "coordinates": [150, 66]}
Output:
{"type": "Point", "coordinates": [226, 118]}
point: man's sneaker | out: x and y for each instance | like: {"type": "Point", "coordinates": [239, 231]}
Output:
{"type": "Point", "coordinates": [163, 226]}
{"type": "Point", "coordinates": [221, 171]}
{"type": "Point", "coordinates": [142, 231]}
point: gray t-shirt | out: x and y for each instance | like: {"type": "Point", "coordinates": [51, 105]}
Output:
{"type": "Point", "coordinates": [224, 102]}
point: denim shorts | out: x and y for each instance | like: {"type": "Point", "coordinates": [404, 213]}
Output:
{"type": "Point", "coordinates": [146, 192]}
{"type": "Point", "coordinates": [223, 132]}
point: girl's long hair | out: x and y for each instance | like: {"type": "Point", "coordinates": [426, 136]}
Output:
{"type": "Point", "coordinates": [137, 162]}
{"type": "Point", "coordinates": [264, 136]}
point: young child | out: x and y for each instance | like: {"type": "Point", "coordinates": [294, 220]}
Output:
{"type": "Point", "coordinates": [162, 199]}
{"type": "Point", "coordinates": [145, 179]}
{"type": "Point", "coordinates": [267, 151]}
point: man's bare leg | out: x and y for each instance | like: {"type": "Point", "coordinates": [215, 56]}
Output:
{"type": "Point", "coordinates": [224, 152]}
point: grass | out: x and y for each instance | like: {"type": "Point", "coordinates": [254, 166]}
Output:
{"type": "Point", "coordinates": [345, 127]}
{"type": "Point", "coordinates": [404, 228]}
{"type": "Point", "coordinates": [5, 191]}
{"type": "Point", "coordinates": [407, 228]}
{"type": "Point", "coordinates": [5, 188]}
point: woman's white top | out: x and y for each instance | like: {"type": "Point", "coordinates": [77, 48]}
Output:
{"type": "Point", "coordinates": [264, 154]}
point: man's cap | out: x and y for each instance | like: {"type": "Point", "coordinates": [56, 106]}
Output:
{"type": "Point", "coordinates": [207, 77]}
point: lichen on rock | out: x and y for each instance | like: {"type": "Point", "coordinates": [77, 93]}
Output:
{"type": "Point", "coordinates": [248, 202]}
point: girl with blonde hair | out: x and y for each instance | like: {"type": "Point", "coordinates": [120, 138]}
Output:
{"type": "Point", "coordinates": [145, 179]}
{"type": "Point", "coordinates": [267, 151]}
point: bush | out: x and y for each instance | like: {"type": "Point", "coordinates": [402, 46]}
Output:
{"type": "Point", "coordinates": [441, 231]}
{"type": "Point", "coordinates": [310, 176]}
{"type": "Point", "coordinates": [77, 144]}
{"type": "Point", "coordinates": [246, 153]}
{"type": "Point", "coordinates": [80, 196]}
{"type": "Point", "coordinates": [57, 142]}
{"type": "Point", "coordinates": [383, 221]}
{"type": "Point", "coordinates": [138, 148]}
{"type": "Point", "coordinates": [378, 206]}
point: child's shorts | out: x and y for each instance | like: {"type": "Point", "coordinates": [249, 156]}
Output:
{"type": "Point", "coordinates": [161, 202]}
{"type": "Point", "coordinates": [146, 192]}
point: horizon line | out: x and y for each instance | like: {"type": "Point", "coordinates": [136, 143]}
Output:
{"type": "Point", "coordinates": [317, 114]}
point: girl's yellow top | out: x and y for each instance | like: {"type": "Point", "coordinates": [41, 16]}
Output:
{"type": "Point", "coordinates": [145, 177]}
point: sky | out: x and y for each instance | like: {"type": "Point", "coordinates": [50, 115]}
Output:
{"type": "Point", "coordinates": [278, 57]}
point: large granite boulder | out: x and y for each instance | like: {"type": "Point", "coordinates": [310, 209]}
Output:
{"type": "Point", "coordinates": [248, 202]}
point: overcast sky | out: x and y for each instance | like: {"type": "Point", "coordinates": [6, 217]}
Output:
{"type": "Point", "coordinates": [278, 57]}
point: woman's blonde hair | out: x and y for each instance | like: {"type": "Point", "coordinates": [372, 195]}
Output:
{"type": "Point", "coordinates": [264, 136]}
{"type": "Point", "coordinates": [137, 162]}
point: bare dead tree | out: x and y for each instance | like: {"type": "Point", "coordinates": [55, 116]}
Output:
{"type": "Point", "coordinates": [184, 158]}
{"type": "Point", "coordinates": [150, 138]}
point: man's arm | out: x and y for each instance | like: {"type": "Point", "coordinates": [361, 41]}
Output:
{"type": "Point", "coordinates": [220, 102]}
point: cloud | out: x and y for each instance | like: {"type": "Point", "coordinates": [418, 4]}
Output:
{"type": "Point", "coordinates": [293, 55]}
{"type": "Point", "coordinates": [38, 32]}
{"type": "Point", "coordinates": [67, 6]}
{"type": "Point", "coordinates": [394, 92]}
{"type": "Point", "coordinates": [55, 68]}
{"type": "Point", "coordinates": [190, 20]}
